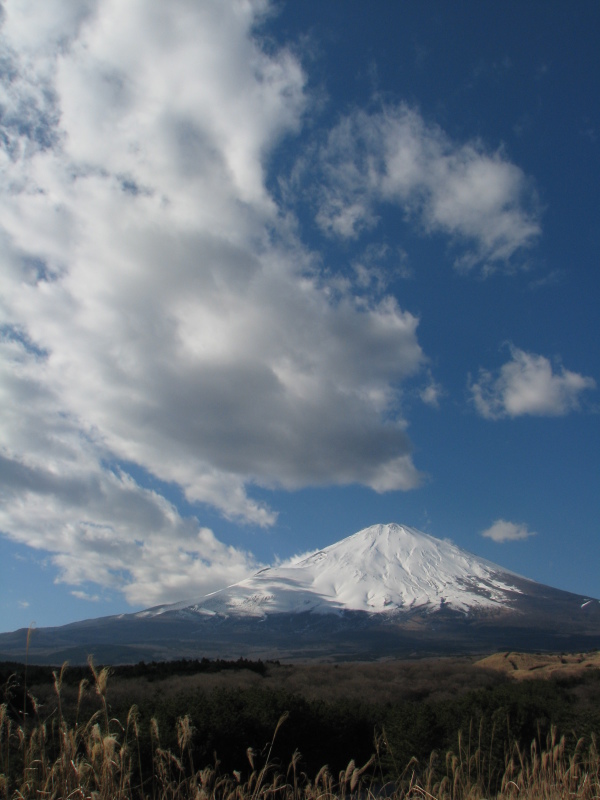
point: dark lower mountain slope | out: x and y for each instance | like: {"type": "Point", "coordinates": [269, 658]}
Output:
{"type": "Point", "coordinates": [547, 620]}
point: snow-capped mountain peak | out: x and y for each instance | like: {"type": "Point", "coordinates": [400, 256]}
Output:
{"type": "Point", "coordinates": [384, 568]}
{"type": "Point", "coordinates": [387, 591]}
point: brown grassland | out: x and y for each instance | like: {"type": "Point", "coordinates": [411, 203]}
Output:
{"type": "Point", "coordinates": [78, 749]}
{"type": "Point", "coordinates": [522, 666]}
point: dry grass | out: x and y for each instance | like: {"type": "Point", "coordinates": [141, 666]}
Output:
{"type": "Point", "coordinates": [100, 759]}
{"type": "Point", "coordinates": [534, 665]}
{"type": "Point", "coordinates": [550, 773]}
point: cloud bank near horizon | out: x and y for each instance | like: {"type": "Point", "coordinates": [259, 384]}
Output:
{"type": "Point", "coordinates": [159, 308]}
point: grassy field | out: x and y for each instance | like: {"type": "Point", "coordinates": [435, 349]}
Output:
{"type": "Point", "coordinates": [81, 738]}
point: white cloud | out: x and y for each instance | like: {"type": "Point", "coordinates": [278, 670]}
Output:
{"type": "Point", "coordinates": [432, 392]}
{"type": "Point", "coordinates": [156, 308]}
{"type": "Point", "coordinates": [89, 598]}
{"type": "Point", "coordinates": [58, 495]}
{"type": "Point", "coordinates": [503, 531]}
{"type": "Point", "coordinates": [477, 197]}
{"type": "Point", "coordinates": [528, 384]}
{"type": "Point", "coordinates": [377, 266]}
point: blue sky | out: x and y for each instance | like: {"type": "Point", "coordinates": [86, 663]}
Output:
{"type": "Point", "coordinates": [272, 273]}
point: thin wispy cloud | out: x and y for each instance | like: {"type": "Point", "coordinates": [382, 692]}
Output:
{"type": "Point", "coordinates": [88, 598]}
{"type": "Point", "coordinates": [528, 384]}
{"type": "Point", "coordinates": [477, 197]}
{"type": "Point", "coordinates": [432, 392]}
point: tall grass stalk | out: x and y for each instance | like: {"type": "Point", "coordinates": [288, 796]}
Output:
{"type": "Point", "coordinates": [101, 759]}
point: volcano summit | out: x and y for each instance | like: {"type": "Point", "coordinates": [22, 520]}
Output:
{"type": "Point", "coordinates": [388, 590]}
{"type": "Point", "coordinates": [389, 569]}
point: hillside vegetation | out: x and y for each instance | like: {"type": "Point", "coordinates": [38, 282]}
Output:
{"type": "Point", "coordinates": [443, 728]}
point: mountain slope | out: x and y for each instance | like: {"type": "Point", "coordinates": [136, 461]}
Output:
{"type": "Point", "coordinates": [384, 568]}
{"type": "Point", "coordinates": [386, 591]}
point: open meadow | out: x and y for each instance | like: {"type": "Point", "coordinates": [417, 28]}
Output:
{"type": "Point", "coordinates": [439, 728]}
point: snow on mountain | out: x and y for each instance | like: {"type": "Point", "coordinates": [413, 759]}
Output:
{"type": "Point", "coordinates": [384, 568]}
{"type": "Point", "coordinates": [373, 595]}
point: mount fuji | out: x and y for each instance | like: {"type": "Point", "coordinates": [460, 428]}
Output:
{"type": "Point", "coordinates": [385, 568]}
{"type": "Point", "coordinates": [386, 591]}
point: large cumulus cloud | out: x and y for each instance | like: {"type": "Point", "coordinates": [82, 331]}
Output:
{"type": "Point", "coordinates": [157, 306]}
